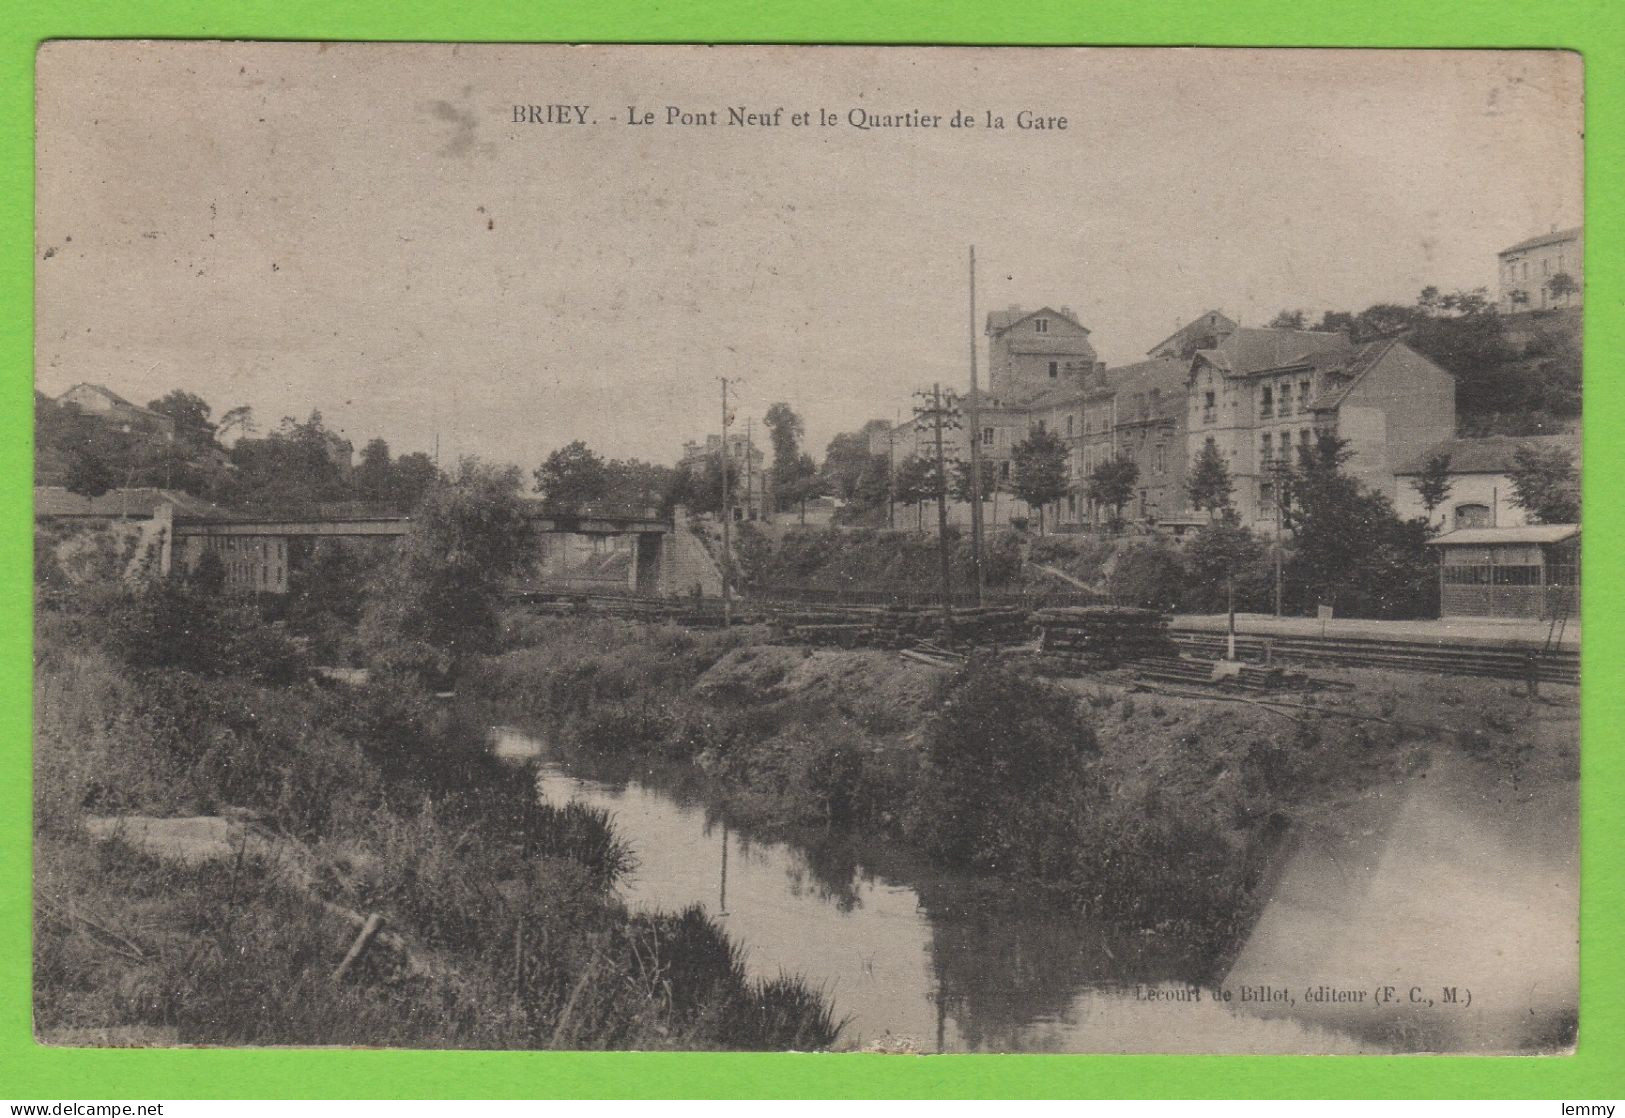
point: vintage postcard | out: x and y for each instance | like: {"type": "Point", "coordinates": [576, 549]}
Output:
{"type": "Point", "coordinates": [789, 548]}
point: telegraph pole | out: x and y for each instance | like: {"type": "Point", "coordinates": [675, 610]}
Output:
{"type": "Point", "coordinates": [941, 416]}
{"type": "Point", "coordinates": [727, 555]}
{"type": "Point", "coordinates": [750, 480]}
{"type": "Point", "coordinates": [975, 445]}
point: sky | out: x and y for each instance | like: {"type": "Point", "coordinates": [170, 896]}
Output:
{"type": "Point", "coordinates": [364, 230]}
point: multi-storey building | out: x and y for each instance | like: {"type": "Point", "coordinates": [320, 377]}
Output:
{"type": "Point", "coordinates": [1259, 395]}
{"type": "Point", "coordinates": [1529, 272]}
{"type": "Point", "coordinates": [1031, 351]}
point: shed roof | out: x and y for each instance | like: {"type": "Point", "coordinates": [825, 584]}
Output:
{"type": "Point", "coordinates": [1528, 533]}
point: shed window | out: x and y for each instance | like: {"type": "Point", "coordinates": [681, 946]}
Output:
{"type": "Point", "coordinates": [1517, 576]}
{"type": "Point", "coordinates": [1472, 516]}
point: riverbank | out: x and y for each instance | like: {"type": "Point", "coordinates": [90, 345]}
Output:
{"type": "Point", "coordinates": [325, 806]}
{"type": "Point", "coordinates": [1158, 813]}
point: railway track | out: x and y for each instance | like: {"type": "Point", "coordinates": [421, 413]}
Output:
{"type": "Point", "coordinates": [1554, 666]}
{"type": "Point", "coordinates": [1502, 662]}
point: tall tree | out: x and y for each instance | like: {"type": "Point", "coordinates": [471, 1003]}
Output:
{"type": "Point", "coordinates": [1546, 485]}
{"type": "Point", "coordinates": [988, 480]}
{"type": "Point", "coordinates": [437, 603]}
{"type": "Point", "coordinates": [1433, 483]}
{"type": "Point", "coordinates": [1209, 486]}
{"type": "Point", "coordinates": [1351, 549]}
{"type": "Point", "coordinates": [410, 477]}
{"type": "Point", "coordinates": [915, 483]}
{"type": "Point", "coordinates": [1039, 465]}
{"type": "Point", "coordinates": [372, 475]}
{"type": "Point", "coordinates": [190, 413]}
{"type": "Point", "coordinates": [785, 428]}
{"type": "Point", "coordinates": [1111, 485]}
{"type": "Point", "coordinates": [851, 469]}
{"type": "Point", "coordinates": [572, 476]}
{"type": "Point", "coordinates": [89, 474]}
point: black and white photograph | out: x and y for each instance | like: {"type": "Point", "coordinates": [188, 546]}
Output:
{"type": "Point", "coordinates": [900, 550]}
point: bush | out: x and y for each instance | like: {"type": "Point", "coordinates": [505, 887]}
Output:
{"type": "Point", "coordinates": [168, 623]}
{"type": "Point", "coordinates": [1005, 763]}
{"type": "Point", "coordinates": [1149, 576]}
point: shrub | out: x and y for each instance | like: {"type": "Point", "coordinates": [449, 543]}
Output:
{"type": "Point", "coordinates": [1004, 763]}
{"type": "Point", "coordinates": [1149, 576]}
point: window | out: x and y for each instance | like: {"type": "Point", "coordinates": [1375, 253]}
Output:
{"type": "Point", "coordinates": [1207, 407]}
{"type": "Point", "coordinates": [1041, 325]}
{"type": "Point", "coordinates": [1286, 448]}
{"type": "Point", "coordinates": [1072, 503]}
{"type": "Point", "coordinates": [1266, 406]}
{"type": "Point", "coordinates": [1144, 503]}
{"type": "Point", "coordinates": [1266, 494]}
{"type": "Point", "coordinates": [1305, 443]}
{"type": "Point", "coordinates": [987, 436]}
{"type": "Point", "coordinates": [1472, 516]}
{"type": "Point", "coordinates": [1054, 369]}
{"type": "Point", "coordinates": [1069, 426]}
{"type": "Point", "coordinates": [1303, 397]}
{"type": "Point", "coordinates": [1546, 267]}
{"type": "Point", "coordinates": [1526, 269]}
{"type": "Point", "coordinates": [1004, 471]}
{"type": "Point", "coordinates": [1265, 450]}
{"type": "Point", "coordinates": [1038, 426]}
{"type": "Point", "coordinates": [1517, 576]}
{"type": "Point", "coordinates": [1162, 458]}
{"type": "Point", "coordinates": [1465, 574]}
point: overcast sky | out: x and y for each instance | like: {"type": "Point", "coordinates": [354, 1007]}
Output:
{"type": "Point", "coordinates": [364, 230]}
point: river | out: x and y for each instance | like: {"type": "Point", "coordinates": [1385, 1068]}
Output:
{"type": "Point", "coordinates": [918, 960]}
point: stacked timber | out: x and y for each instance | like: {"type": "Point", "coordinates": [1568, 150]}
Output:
{"type": "Point", "coordinates": [1093, 637]}
{"type": "Point", "coordinates": [902, 626]}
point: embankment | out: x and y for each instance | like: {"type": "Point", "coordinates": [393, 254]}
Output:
{"type": "Point", "coordinates": [1162, 813]}
{"type": "Point", "coordinates": [503, 928]}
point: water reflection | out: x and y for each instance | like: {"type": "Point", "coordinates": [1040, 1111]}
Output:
{"type": "Point", "coordinates": [926, 961]}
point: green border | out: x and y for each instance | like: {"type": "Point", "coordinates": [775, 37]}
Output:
{"type": "Point", "coordinates": [1596, 28]}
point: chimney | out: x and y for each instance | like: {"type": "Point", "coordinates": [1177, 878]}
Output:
{"type": "Point", "coordinates": [1068, 312]}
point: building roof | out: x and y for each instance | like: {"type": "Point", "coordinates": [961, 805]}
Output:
{"type": "Point", "coordinates": [103, 390]}
{"type": "Point", "coordinates": [1553, 238]}
{"type": "Point", "coordinates": [1251, 349]}
{"type": "Point", "coordinates": [1528, 533]}
{"type": "Point", "coordinates": [1164, 376]}
{"type": "Point", "coordinates": [1000, 321]}
{"type": "Point", "coordinates": [1489, 455]}
{"type": "Point", "coordinates": [140, 502]}
{"type": "Point", "coordinates": [1206, 324]}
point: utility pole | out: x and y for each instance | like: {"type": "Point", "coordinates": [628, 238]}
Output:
{"type": "Point", "coordinates": [975, 445]}
{"type": "Point", "coordinates": [891, 472]}
{"type": "Point", "coordinates": [750, 504]}
{"type": "Point", "coordinates": [727, 514]}
{"type": "Point", "coordinates": [942, 415]}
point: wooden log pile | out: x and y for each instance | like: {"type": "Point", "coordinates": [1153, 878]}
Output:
{"type": "Point", "coordinates": [904, 626]}
{"type": "Point", "coordinates": [1095, 637]}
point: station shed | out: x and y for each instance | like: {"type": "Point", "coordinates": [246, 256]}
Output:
{"type": "Point", "coordinates": [1530, 571]}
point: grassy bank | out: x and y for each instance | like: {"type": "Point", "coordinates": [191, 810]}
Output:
{"type": "Point", "coordinates": [503, 928]}
{"type": "Point", "coordinates": [1154, 812]}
